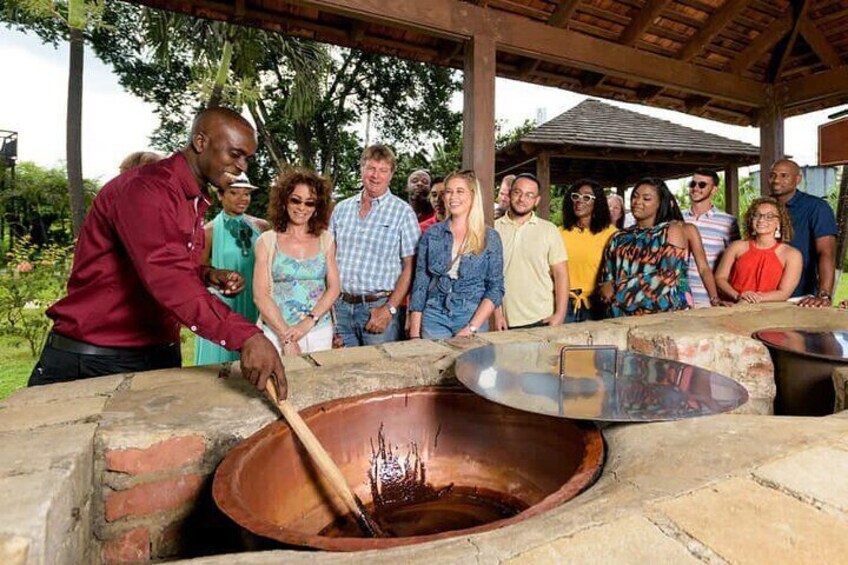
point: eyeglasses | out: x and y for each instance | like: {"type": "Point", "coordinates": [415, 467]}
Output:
{"type": "Point", "coordinates": [699, 184]}
{"type": "Point", "coordinates": [585, 198]}
{"type": "Point", "coordinates": [295, 201]}
{"type": "Point", "coordinates": [769, 216]}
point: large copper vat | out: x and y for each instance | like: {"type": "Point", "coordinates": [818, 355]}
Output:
{"type": "Point", "coordinates": [268, 485]}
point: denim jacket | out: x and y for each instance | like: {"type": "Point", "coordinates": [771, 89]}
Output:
{"type": "Point", "coordinates": [480, 276]}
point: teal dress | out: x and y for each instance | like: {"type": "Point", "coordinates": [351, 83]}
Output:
{"type": "Point", "coordinates": [298, 284]}
{"type": "Point", "coordinates": [233, 241]}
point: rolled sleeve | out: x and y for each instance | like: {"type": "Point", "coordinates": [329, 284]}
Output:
{"type": "Point", "coordinates": [147, 221]}
{"type": "Point", "coordinates": [421, 282]}
{"type": "Point", "coordinates": [494, 283]}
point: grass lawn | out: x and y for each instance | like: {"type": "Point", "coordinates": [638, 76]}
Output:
{"type": "Point", "coordinates": [16, 362]}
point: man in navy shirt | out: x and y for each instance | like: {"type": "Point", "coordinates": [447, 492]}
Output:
{"type": "Point", "coordinates": [815, 233]}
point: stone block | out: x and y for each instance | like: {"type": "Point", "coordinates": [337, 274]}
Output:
{"type": "Point", "coordinates": [28, 417]}
{"type": "Point", "coordinates": [13, 549]}
{"type": "Point", "coordinates": [510, 336]}
{"type": "Point", "coordinates": [818, 474]}
{"type": "Point", "coordinates": [56, 447]}
{"type": "Point", "coordinates": [630, 540]}
{"type": "Point", "coordinates": [840, 387]}
{"type": "Point", "coordinates": [416, 348]}
{"type": "Point", "coordinates": [744, 522]}
{"type": "Point", "coordinates": [347, 356]}
{"type": "Point", "coordinates": [745, 320]}
{"type": "Point", "coordinates": [62, 392]}
{"type": "Point", "coordinates": [48, 510]}
{"type": "Point", "coordinates": [743, 359]}
{"type": "Point", "coordinates": [132, 546]}
{"type": "Point", "coordinates": [152, 497]}
{"type": "Point", "coordinates": [296, 363]}
{"type": "Point", "coordinates": [165, 455]}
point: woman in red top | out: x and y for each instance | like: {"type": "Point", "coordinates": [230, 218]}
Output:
{"type": "Point", "coordinates": [761, 268]}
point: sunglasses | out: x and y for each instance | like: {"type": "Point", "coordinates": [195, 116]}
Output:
{"type": "Point", "coordinates": [585, 198]}
{"type": "Point", "coordinates": [295, 201]}
{"type": "Point", "coordinates": [699, 184]}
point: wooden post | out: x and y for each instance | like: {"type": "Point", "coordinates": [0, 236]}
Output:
{"type": "Point", "coordinates": [478, 116]}
{"type": "Point", "coordinates": [771, 137]}
{"type": "Point", "coordinates": [731, 190]}
{"type": "Point", "coordinates": [543, 173]}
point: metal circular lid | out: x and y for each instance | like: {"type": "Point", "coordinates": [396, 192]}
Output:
{"type": "Point", "coordinates": [597, 382]}
{"type": "Point", "coordinates": [831, 345]}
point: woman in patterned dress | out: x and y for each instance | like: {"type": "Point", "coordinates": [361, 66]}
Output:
{"type": "Point", "coordinates": [644, 268]}
{"type": "Point", "coordinates": [296, 279]}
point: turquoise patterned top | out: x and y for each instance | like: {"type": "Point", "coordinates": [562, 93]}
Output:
{"type": "Point", "coordinates": [298, 285]}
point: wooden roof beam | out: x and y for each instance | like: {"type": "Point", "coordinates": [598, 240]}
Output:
{"type": "Point", "coordinates": [644, 18]}
{"type": "Point", "coordinates": [784, 48]}
{"type": "Point", "coordinates": [563, 13]}
{"type": "Point", "coordinates": [762, 44]}
{"type": "Point", "coordinates": [819, 43]}
{"type": "Point", "coordinates": [717, 22]}
{"type": "Point", "coordinates": [820, 86]}
{"type": "Point", "coordinates": [648, 92]}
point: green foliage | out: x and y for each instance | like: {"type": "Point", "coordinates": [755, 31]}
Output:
{"type": "Point", "coordinates": [34, 277]}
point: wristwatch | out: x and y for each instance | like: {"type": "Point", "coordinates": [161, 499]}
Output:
{"type": "Point", "coordinates": [472, 328]}
{"type": "Point", "coordinates": [825, 295]}
{"type": "Point", "coordinates": [392, 309]}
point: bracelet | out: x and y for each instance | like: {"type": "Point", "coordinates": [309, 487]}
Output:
{"type": "Point", "coordinates": [313, 316]}
{"type": "Point", "coordinates": [824, 295]}
{"type": "Point", "coordinates": [715, 300]}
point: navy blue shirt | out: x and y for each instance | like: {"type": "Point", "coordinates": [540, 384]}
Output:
{"type": "Point", "coordinates": [812, 218]}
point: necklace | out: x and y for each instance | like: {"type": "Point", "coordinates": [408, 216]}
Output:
{"type": "Point", "coordinates": [241, 232]}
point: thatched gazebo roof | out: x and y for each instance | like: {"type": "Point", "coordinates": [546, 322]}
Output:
{"type": "Point", "coordinates": [616, 147]}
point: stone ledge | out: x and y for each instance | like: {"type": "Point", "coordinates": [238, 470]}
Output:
{"type": "Point", "coordinates": [62, 392]}
{"type": "Point", "coordinates": [817, 475]}
{"type": "Point", "coordinates": [32, 416]}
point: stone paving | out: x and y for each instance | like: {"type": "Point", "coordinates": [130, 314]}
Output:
{"type": "Point", "coordinates": [111, 470]}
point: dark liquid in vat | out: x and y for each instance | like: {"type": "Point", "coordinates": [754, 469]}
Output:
{"type": "Point", "coordinates": [456, 508]}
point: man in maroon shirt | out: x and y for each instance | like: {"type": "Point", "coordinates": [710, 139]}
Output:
{"type": "Point", "coordinates": [137, 274]}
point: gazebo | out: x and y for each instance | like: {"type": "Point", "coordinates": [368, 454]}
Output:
{"type": "Point", "coordinates": [616, 147]}
{"type": "Point", "coordinates": [745, 62]}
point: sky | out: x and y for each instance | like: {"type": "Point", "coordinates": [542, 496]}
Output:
{"type": "Point", "coordinates": [115, 123]}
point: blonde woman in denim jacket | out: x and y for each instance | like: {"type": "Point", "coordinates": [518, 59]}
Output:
{"type": "Point", "coordinates": [459, 267]}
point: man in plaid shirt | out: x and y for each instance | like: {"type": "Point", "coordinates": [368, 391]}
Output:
{"type": "Point", "coordinates": [376, 235]}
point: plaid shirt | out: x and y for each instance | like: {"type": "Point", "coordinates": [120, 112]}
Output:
{"type": "Point", "coordinates": [370, 250]}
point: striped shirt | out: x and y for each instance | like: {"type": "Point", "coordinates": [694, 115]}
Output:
{"type": "Point", "coordinates": [717, 230]}
{"type": "Point", "coordinates": [369, 250]}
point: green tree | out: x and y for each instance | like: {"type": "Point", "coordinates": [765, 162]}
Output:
{"type": "Point", "coordinates": [74, 16]}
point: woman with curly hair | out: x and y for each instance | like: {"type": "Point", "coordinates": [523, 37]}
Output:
{"type": "Point", "coordinates": [761, 268]}
{"type": "Point", "coordinates": [296, 279]}
{"type": "Point", "coordinates": [587, 227]}
{"type": "Point", "coordinates": [645, 265]}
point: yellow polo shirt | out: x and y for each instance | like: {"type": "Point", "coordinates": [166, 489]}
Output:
{"type": "Point", "coordinates": [530, 250]}
{"type": "Point", "coordinates": [586, 251]}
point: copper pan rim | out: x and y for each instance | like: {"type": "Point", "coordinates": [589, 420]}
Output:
{"type": "Point", "coordinates": [226, 494]}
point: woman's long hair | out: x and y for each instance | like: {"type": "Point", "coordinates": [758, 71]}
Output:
{"type": "Point", "coordinates": [783, 214]}
{"type": "Point", "coordinates": [669, 209]}
{"type": "Point", "coordinates": [476, 235]}
{"type": "Point", "coordinates": [601, 218]}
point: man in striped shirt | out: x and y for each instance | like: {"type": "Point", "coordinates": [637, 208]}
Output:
{"type": "Point", "coordinates": [717, 229]}
{"type": "Point", "coordinates": [376, 236]}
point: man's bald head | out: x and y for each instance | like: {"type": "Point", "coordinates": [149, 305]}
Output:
{"type": "Point", "coordinates": [784, 178]}
{"type": "Point", "coordinates": [221, 142]}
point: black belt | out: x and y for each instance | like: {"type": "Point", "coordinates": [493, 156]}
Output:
{"type": "Point", "coordinates": [62, 343]}
{"type": "Point", "coordinates": [363, 298]}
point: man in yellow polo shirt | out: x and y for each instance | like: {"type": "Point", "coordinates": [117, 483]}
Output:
{"type": "Point", "coordinates": [535, 262]}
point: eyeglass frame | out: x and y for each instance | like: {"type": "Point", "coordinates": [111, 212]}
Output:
{"type": "Point", "coordinates": [586, 198]}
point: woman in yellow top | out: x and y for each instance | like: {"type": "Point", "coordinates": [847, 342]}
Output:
{"type": "Point", "coordinates": [586, 229]}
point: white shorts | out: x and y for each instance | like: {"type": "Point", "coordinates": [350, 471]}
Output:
{"type": "Point", "coordinates": [318, 339]}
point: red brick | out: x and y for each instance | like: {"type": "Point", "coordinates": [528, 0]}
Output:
{"type": "Point", "coordinates": [130, 547]}
{"type": "Point", "coordinates": [169, 454]}
{"type": "Point", "coordinates": [148, 498]}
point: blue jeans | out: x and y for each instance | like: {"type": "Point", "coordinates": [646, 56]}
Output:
{"type": "Point", "coordinates": [351, 320]}
{"type": "Point", "coordinates": [439, 322]}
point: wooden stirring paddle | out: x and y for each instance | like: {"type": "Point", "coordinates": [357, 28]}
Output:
{"type": "Point", "coordinates": [325, 464]}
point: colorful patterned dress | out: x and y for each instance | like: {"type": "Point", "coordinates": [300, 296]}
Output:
{"type": "Point", "coordinates": [298, 285]}
{"type": "Point", "coordinates": [647, 272]}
